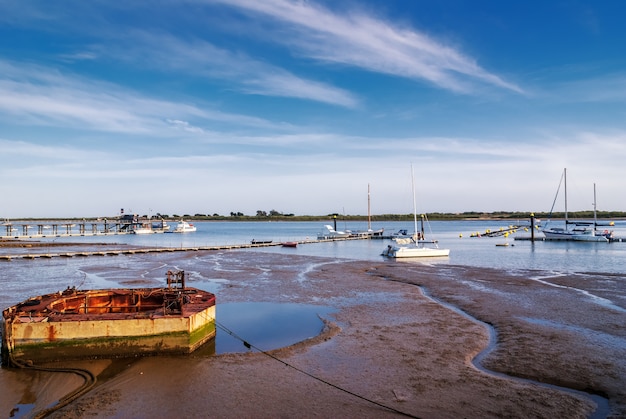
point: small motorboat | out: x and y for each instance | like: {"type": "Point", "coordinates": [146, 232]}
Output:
{"type": "Point", "coordinates": [144, 228]}
{"type": "Point", "coordinates": [330, 233]}
{"type": "Point", "coordinates": [253, 241]}
{"type": "Point", "coordinates": [289, 244]}
{"type": "Point", "coordinates": [184, 227]}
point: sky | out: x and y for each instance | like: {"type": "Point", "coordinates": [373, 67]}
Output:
{"type": "Point", "coordinates": [220, 106]}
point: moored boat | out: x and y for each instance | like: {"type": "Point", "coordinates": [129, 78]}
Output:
{"type": "Point", "coordinates": [330, 233]}
{"type": "Point", "coordinates": [74, 324]}
{"type": "Point", "coordinates": [254, 241]}
{"type": "Point", "coordinates": [366, 233]}
{"type": "Point", "coordinates": [160, 226]}
{"type": "Point", "coordinates": [589, 237]}
{"type": "Point", "coordinates": [416, 251]}
{"type": "Point", "coordinates": [369, 233]}
{"type": "Point", "coordinates": [416, 246]}
{"type": "Point", "coordinates": [184, 227]}
{"type": "Point", "coordinates": [143, 228]}
{"type": "Point", "coordinates": [584, 231]}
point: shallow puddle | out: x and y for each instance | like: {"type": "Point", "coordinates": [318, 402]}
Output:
{"type": "Point", "coordinates": [266, 326]}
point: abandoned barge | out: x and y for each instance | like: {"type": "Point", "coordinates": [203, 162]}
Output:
{"type": "Point", "coordinates": [74, 324]}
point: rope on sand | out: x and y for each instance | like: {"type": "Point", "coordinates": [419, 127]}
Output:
{"type": "Point", "coordinates": [88, 384]}
{"type": "Point", "coordinates": [249, 345]}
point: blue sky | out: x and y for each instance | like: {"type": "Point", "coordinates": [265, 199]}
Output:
{"type": "Point", "coordinates": [208, 106]}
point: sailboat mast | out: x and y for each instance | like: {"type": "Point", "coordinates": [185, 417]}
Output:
{"type": "Point", "coordinates": [565, 184]}
{"type": "Point", "coordinates": [414, 204]}
{"type": "Point", "coordinates": [595, 217]}
{"type": "Point", "coordinates": [369, 214]}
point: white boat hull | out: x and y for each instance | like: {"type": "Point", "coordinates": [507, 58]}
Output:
{"type": "Point", "coordinates": [415, 252]}
{"type": "Point", "coordinates": [589, 238]}
{"type": "Point", "coordinates": [585, 235]}
{"type": "Point", "coordinates": [557, 234]}
{"type": "Point", "coordinates": [184, 227]}
{"type": "Point", "coordinates": [331, 233]}
{"type": "Point", "coordinates": [142, 231]}
{"type": "Point", "coordinates": [185, 230]}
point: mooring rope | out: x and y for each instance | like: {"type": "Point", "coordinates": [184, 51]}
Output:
{"type": "Point", "coordinates": [249, 345]}
{"type": "Point", "coordinates": [88, 384]}
{"type": "Point", "coordinates": [90, 379]}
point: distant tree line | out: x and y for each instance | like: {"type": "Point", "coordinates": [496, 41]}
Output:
{"type": "Point", "coordinates": [441, 216]}
{"type": "Point", "coordinates": [279, 216]}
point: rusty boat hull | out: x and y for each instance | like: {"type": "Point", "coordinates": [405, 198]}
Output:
{"type": "Point", "coordinates": [75, 324]}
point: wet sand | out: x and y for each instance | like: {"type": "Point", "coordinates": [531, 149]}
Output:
{"type": "Point", "coordinates": [404, 336]}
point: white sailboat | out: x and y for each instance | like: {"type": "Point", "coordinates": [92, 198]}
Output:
{"type": "Point", "coordinates": [574, 230]}
{"type": "Point", "coordinates": [369, 232]}
{"type": "Point", "coordinates": [416, 247]}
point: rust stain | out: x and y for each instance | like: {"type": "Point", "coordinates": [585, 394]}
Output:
{"type": "Point", "coordinates": [51, 333]}
{"type": "Point", "coordinates": [86, 318]}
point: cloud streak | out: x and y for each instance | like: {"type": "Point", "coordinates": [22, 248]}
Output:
{"type": "Point", "coordinates": [199, 57]}
{"type": "Point", "coordinates": [372, 44]}
{"type": "Point", "coordinates": [42, 96]}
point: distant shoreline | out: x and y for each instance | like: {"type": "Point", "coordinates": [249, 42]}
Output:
{"type": "Point", "coordinates": [466, 216]}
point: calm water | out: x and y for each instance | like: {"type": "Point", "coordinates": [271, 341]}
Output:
{"type": "Point", "coordinates": [465, 250]}
{"type": "Point", "coordinates": [265, 325]}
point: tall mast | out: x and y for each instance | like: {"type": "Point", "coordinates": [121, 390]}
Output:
{"type": "Point", "coordinates": [565, 184]}
{"type": "Point", "coordinates": [369, 214]}
{"type": "Point", "coordinates": [414, 205]}
{"type": "Point", "coordinates": [595, 218]}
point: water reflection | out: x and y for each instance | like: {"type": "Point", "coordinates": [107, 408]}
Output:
{"type": "Point", "coordinates": [266, 326]}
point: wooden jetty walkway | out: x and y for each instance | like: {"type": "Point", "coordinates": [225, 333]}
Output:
{"type": "Point", "coordinates": [143, 250]}
{"type": "Point", "coordinates": [126, 224]}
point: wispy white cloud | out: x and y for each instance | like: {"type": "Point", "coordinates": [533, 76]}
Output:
{"type": "Point", "coordinates": [271, 82]}
{"type": "Point", "coordinates": [79, 56]}
{"type": "Point", "coordinates": [43, 96]}
{"type": "Point", "coordinates": [373, 44]}
{"type": "Point", "coordinates": [154, 49]}
{"type": "Point", "coordinates": [22, 152]}
{"type": "Point", "coordinates": [198, 57]}
{"type": "Point", "coordinates": [185, 126]}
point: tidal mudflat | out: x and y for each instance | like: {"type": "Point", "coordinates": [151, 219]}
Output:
{"type": "Point", "coordinates": [403, 337]}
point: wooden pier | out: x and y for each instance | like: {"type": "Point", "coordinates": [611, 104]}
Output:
{"type": "Point", "coordinates": [103, 227]}
{"type": "Point", "coordinates": [140, 250]}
